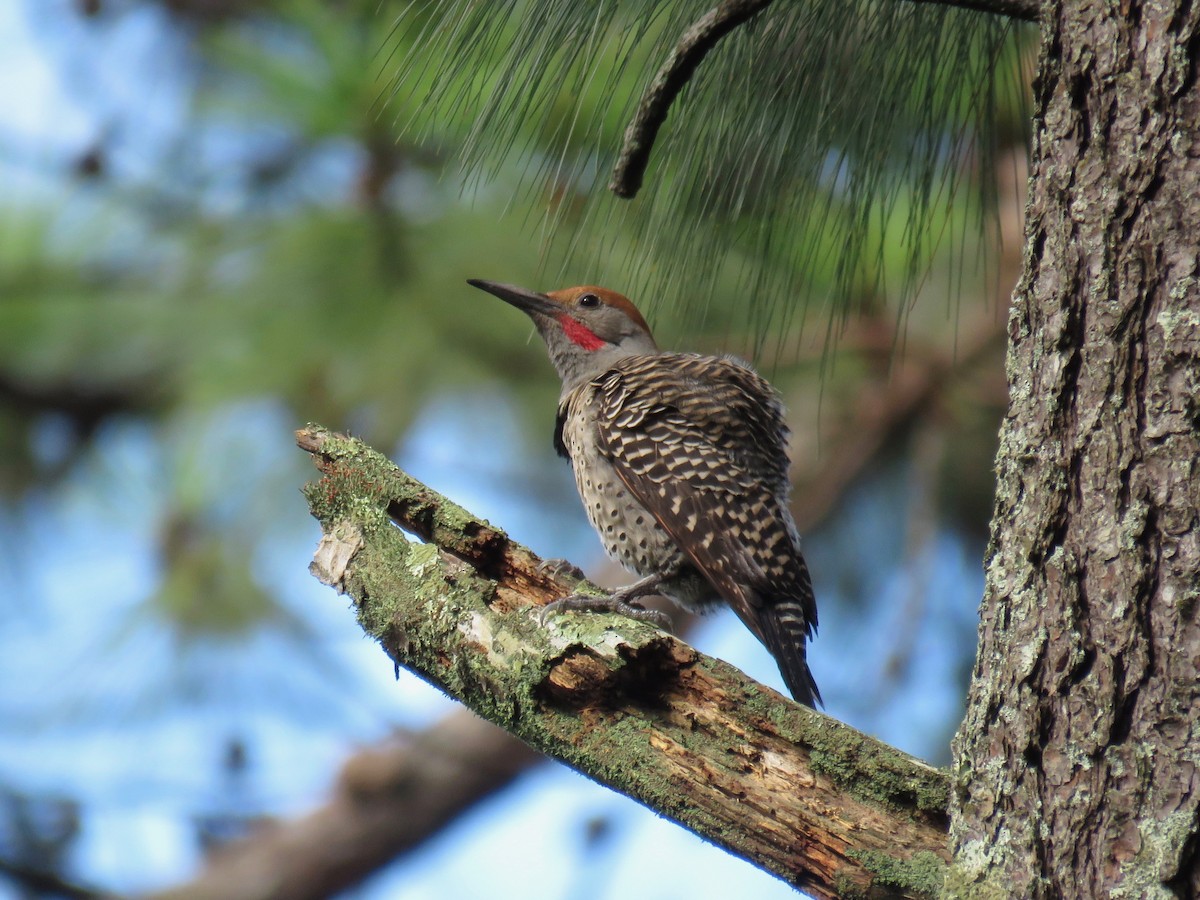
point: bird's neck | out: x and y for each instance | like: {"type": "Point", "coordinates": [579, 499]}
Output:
{"type": "Point", "coordinates": [581, 356]}
{"type": "Point", "coordinates": [576, 368]}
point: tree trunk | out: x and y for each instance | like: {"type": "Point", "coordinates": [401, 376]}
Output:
{"type": "Point", "coordinates": [1076, 771]}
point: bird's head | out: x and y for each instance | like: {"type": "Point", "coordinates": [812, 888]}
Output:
{"type": "Point", "coordinates": [586, 329]}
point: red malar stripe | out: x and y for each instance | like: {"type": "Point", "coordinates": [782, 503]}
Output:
{"type": "Point", "coordinates": [580, 334]}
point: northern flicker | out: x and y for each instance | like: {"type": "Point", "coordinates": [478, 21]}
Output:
{"type": "Point", "coordinates": [681, 462]}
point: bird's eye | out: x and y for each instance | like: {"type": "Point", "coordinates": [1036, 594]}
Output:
{"type": "Point", "coordinates": [589, 300]}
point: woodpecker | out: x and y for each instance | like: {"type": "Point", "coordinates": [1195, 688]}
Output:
{"type": "Point", "coordinates": [681, 463]}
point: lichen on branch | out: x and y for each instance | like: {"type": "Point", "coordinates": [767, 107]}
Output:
{"type": "Point", "coordinates": [797, 793]}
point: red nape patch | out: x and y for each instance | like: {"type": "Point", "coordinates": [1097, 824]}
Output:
{"type": "Point", "coordinates": [579, 333]}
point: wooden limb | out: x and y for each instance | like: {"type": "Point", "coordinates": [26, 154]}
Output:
{"type": "Point", "coordinates": [695, 43]}
{"type": "Point", "coordinates": [693, 46]}
{"type": "Point", "coordinates": [387, 800]}
{"type": "Point", "coordinates": [40, 883]}
{"type": "Point", "coordinates": [310, 846]}
{"type": "Point", "coordinates": [84, 405]}
{"type": "Point", "coordinates": [822, 806]}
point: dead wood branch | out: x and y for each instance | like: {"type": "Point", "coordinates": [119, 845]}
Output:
{"type": "Point", "coordinates": [824, 807]}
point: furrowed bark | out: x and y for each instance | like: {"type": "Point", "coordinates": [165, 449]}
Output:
{"type": "Point", "coordinates": [822, 806]}
{"type": "Point", "coordinates": [1078, 762]}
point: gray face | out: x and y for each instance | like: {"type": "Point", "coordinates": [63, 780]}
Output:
{"type": "Point", "coordinates": [586, 329]}
{"type": "Point", "coordinates": [611, 324]}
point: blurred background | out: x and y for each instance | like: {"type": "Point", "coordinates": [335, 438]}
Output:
{"type": "Point", "coordinates": [222, 219]}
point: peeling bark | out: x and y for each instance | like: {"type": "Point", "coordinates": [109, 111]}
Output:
{"type": "Point", "coordinates": [813, 801]}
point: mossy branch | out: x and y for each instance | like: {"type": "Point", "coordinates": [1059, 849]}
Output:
{"type": "Point", "coordinates": [822, 806]}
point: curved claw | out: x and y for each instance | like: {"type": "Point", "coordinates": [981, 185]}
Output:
{"type": "Point", "coordinates": [560, 568]}
{"type": "Point", "coordinates": [609, 604]}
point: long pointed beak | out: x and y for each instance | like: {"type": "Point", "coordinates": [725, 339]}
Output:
{"type": "Point", "coordinates": [523, 299]}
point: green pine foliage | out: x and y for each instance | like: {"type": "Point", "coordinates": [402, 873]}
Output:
{"type": "Point", "coordinates": [824, 149]}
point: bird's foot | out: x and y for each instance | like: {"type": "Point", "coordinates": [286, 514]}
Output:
{"type": "Point", "coordinates": [611, 603]}
{"type": "Point", "coordinates": [560, 568]}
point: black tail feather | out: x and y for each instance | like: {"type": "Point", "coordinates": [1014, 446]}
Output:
{"type": "Point", "coordinates": [785, 633]}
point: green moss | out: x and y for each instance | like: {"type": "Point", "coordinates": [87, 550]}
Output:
{"type": "Point", "coordinates": [1162, 847]}
{"type": "Point", "coordinates": [962, 884]}
{"type": "Point", "coordinates": [382, 592]}
{"type": "Point", "coordinates": [1185, 601]}
{"type": "Point", "coordinates": [1182, 293]}
{"type": "Point", "coordinates": [923, 874]}
{"type": "Point", "coordinates": [857, 763]}
{"type": "Point", "coordinates": [422, 560]}
{"type": "Point", "coordinates": [348, 492]}
{"type": "Point", "coordinates": [431, 612]}
{"type": "Point", "coordinates": [453, 517]}
{"type": "Point", "coordinates": [847, 888]}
